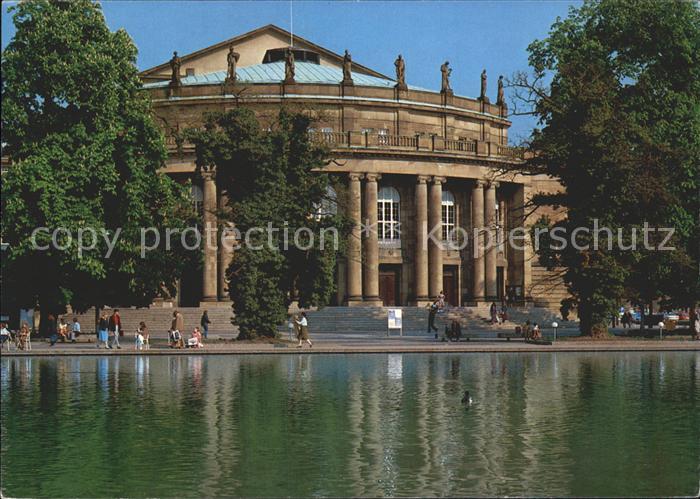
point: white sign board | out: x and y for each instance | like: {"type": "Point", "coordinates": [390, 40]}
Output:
{"type": "Point", "coordinates": [394, 320]}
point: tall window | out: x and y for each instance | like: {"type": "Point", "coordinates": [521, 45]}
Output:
{"type": "Point", "coordinates": [328, 205]}
{"type": "Point", "coordinates": [197, 198]}
{"type": "Point", "coordinates": [388, 219]}
{"type": "Point", "coordinates": [449, 216]}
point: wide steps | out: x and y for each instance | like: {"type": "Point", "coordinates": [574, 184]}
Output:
{"type": "Point", "coordinates": [159, 320]}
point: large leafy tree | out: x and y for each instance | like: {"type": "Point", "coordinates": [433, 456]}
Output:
{"type": "Point", "coordinates": [85, 154]}
{"type": "Point", "coordinates": [616, 88]}
{"type": "Point", "coordinates": [273, 176]}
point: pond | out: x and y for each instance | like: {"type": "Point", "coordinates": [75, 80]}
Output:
{"type": "Point", "coordinates": [559, 424]}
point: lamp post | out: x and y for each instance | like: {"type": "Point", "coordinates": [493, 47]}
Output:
{"type": "Point", "coordinates": [661, 330]}
{"type": "Point", "coordinates": [555, 326]}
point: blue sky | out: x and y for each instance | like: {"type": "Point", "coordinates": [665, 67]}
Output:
{"type": "Point", "coordinates": [472, 35]}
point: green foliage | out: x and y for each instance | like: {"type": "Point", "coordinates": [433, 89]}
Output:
{"type": "Point", "coordinates": [621, 130]}
{"type": "Point", "coordinates": [85, 154]}
{"type": "Point", "coordinates": [273, 178]}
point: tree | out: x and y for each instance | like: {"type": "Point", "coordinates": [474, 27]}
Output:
{"type": "Point", "coordinates": [620, 129]}
{"type": "Point", "coordinates": [274, 181]}
{"type": "Point", "coordinates": [86, 155]}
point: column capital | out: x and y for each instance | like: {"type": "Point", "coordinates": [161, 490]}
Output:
{"type": "Point", "coordinates": [494, 184]}
{"type": "Point", "coordinates": [208, 172]}
{"type": "Point", "coordinates": [422, 179]}
{"type": "Point", "coordinates": [439, 180]}
{"type": "Point", "coordinates": [479, 184]}
{"type": "Point", "coordinates": [355, 176]}
{"type": "Point", "coordinates": [373, 177]}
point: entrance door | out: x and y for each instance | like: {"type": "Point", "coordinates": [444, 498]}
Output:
{"type": "Point", "coordinates": [389, 285]}
{"type": "Point", "coordinates": [449, 285]}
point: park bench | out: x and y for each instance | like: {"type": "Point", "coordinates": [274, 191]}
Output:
{"type": "Point", "coordinates": [508, 336]}
{"type": "Point", "coordinates": [538, 342]}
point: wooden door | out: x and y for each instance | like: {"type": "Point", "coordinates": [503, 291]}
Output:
{"type": "Point", "coordinates": [389, 287]}
{"type": "Point", "coordinates": [449, 286]}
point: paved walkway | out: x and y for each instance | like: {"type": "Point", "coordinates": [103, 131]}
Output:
{"type": "Point", "coordinates": [366, 344]}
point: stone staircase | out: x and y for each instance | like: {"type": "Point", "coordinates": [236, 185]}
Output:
{"type": "Point", "coordinates": [332, 320]}
{"type": "Point", "coordinates": [158, 319]}
{"type": "Point", "coordinates": [373, 320]}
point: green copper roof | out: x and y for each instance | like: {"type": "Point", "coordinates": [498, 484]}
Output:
{"type": "Point", "coordinates": [305, 72]}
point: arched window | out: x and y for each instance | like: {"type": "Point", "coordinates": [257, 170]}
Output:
{"type": "Point", "coordinates": [197, 197]}
{"type": "Point", "coordinates": [388, 218]}
{"type": "Point", "coordinates": [328, 205]}
{"type": "Point", "coordinates": [449, 216]}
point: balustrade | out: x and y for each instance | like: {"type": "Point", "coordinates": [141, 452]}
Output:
{"type": "Point", "coordinates": [366, 140]}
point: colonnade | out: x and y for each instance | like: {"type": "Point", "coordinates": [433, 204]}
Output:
{"type": "Point", "coordinates": [363, 244]}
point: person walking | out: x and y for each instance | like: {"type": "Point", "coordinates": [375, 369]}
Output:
{"type": "Point", "coordinates": [493, 312]}
{"type": "Point", "coordinates": [5, 335]}
{"type": "Point", "coordinates": [304, 330]}
{"type": "Point", "coordinates": [204, 322]}
{"type": "Point", "coordinates": [113, 328]}
{"type": "Point", "coordinates": [432, 312]}
{"type": "Point", "coordinates": [75, 330]}
{"type": "Point", "coordinates": [103, 331]}
{"type": "Point", "coordinates": [292, 327]}
{"type": "Point", "coordinates": [441, 299]}
{"type": "Point", "coordinates": [178, 323]}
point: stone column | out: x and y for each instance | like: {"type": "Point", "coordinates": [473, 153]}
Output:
{"type": "Point", "coordinates": [435, 242]}
{"type": "Point", "coordinates": [478, 285]}
{"type": "Point", "coordinates": [209, 236]}
{"type": "Point", "coordinates": [490, 256]}
{"type": "Point", "coordinates": [421, 256]}
{"type": "Point", "coordinates": [354, 256]}
{"type": "Point", "coordinates": [370, 277]}
{"type": "Point", "coordinates": [226, 244]}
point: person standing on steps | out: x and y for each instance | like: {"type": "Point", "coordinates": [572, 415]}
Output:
{"type": "Point", "coordinates": [204, 322]}
{"type": "Point", "coordinates": [303, 330]}
{"type": "Point", "coordinates": [75, 331]}
{"type": "Point", "coordinates": [114, 327]}
{"type": "Point", "coordinates": [434, 307]}
{"type": "Point", "coordinates": [51, 329]}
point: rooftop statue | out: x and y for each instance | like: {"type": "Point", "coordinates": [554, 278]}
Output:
{"type": "Point", "coordinates": [175, 65]}
{"type": "Point", "coordinates": [289, 66]}
{"type": "Point", "coordinates": [347, 68]}
{"type": "Point", "coordinates": [446, 72]}
{"type": "Point", "coordinates": [483, 95]}
{"type": "Point", "coordinates": [232, 60]}
{"type": "Point", "coordinates": [500, 99]}
{"type": "Point", "coordinates": [400, 66]}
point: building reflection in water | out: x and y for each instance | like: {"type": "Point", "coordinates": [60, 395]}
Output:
{"type": "Point", "coordinates": [368, 425]}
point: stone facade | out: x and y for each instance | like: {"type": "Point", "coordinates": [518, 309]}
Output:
{"type": "Point", "coordinates": [403, 154]}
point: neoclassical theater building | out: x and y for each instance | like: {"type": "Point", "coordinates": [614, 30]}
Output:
{"type": "Point", "coordinates": [408, 158]}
